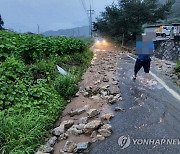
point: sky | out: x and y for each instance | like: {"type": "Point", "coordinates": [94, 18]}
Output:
{"type": "Point", "coordinates": [25, 15]}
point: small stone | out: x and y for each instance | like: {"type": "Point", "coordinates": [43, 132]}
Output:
{"type": "Point", "coordinates": [82, 147]}
{"type": "Point", "coordinates": [92, 113]}
{"type": "Point", "coordinates": [77, 94]}
{"type": "Point", "coordinates": [113, 101]}
{"type": "Point", "coordinates": [104, 93]}
{"type": "Point", "coordinates": [96, 97]}
{"type": "Point", "coordinates": [94, 140]}
{"type": "Point", "coordinates": [86, 94]}
{"type": "Point", "coordinates": [75, 130]}
{"type": "Point", "coordinates": [115, 82]}
{"type": "Point", "coordinates": [117, 96]}
{"type": "Point", "coordinates": [58, 130]}
{"type": "Point", "coordinates": [107, 117]}
{"type": "Point", "coordinates": [69, 146]}
{"type": "Point", "coordinates": [113, 90]}
{"type": "Point", "coordinates": [109, 97]}
{"type": "Point", "coordinates": [94, 134]}
{"type": "Point", "coordinates": [68, 101]}
{"type": "Point", "coordinates": [105, 87]}
{"type": "Point", "coordinates": [80, 126]}
{"type": "Point", "coordinates": [114, 78]}
{"type": "Point", "coordinates": [120, 99]}
{"type": "Point", "coordinates": [77, 111]}
{"type": "Point", "coordinates": [89, 127]}
{"type": "Point", "coordinates": [86, 107]}
{"type": "Point", "coordinates": [67, 124]}
{"type": "Point", "coordinates": [97, 82]}
{"type": "Point", "coordinates": [83, 120]}
{"type": "Point", "coordinates": [107, 126]}
{"type": "Point", "coordinates": [63, 136]}
{"type": "Point", "coordinates": [62, 152]}
{"type": "Point", "coordinates": [104, 132]}
{"type": "Point", "coordinates": [118, 109]}
{"type": "Point", "coordinates": [100, 137]}
{"type": "Point", "coordinates": [51, 142]}
{"type": "Point", "coordinates": [46, 149]}
{"type": "Point", "coordinates": [105, 79]}
{"type": "Point", "coordinates": [88, 88]}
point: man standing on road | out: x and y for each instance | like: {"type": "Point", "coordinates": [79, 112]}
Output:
{"type": "Point", "coordinates": [144, 49]}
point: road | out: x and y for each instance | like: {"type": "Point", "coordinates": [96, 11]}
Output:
{"type": "Point", "coordinates": [151, 112]}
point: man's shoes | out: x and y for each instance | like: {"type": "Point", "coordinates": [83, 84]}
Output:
{"type": "Point", "coordinates": [133, 77]}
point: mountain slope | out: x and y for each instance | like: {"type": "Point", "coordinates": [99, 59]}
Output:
{"type": "Point", "coordinates": [79, 31]}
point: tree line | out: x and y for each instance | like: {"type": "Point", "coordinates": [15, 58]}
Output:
{"type": "Point", "coordinates": [1, 23]}
{"type": "Point", "coordinates": [124, 20]}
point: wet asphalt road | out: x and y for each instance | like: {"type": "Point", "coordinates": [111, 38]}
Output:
{"type": "Point", "coordinates": [151, 112]}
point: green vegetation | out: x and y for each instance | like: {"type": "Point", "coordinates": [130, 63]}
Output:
{"type": "Point", "coordinates": [169, 21]}
{"type": "Point", "coordinates": [123, 21]}
{"type": "Point", "coordinates": [32, 91]}
{"type": "Point", "coordinates": [177, 68]}
{"type": "Point", "coordinates": [1, 23]}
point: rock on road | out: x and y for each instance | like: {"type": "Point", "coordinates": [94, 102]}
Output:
{"type": "Point", "coordinates": [150, 112]}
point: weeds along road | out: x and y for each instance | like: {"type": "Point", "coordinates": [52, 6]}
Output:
{"type": "Point", "coordinates": [152, 114]}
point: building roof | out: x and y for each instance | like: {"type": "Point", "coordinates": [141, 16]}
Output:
{"type": "Point", "coordinates": [176, 24]}
{"type": "Point", "coordinates": [152, 26]}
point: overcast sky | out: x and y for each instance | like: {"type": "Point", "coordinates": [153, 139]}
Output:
{"type": "Point", "coordinates": [24, 15]}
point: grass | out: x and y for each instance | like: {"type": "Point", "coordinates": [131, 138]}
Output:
{"type": "Point", "coordinates": [177, 68]}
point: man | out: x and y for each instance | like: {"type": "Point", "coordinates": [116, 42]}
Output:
{"type": "Point", "coordinates": [144, 49]}
{"type": "Point", "coordinates": [142, 61]}
{"type": "Point", "coordinates": [172, 33]}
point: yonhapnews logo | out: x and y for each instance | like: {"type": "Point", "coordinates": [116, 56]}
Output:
{"type": "Point", "coordinates": [125, 141]}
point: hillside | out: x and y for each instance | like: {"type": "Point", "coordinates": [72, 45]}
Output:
{"type": "Point", "coordinates": [78, 31]}
{"type": "Point", "coordinates": [175, 9]}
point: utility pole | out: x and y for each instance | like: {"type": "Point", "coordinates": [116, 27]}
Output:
{"type": "Point", "coordinates": [38, 28]}
{"type": "Point", "coordinates": [78, 32]}
{"type": "Point", "coordinates": [73, 32]}
{"type": "Point", "coordinates": [91, 12]}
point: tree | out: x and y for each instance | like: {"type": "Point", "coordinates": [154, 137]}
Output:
{"type": "Point", "coordinates": [125, 19]}
{"type": "Point", "coordinates": [1, 23]}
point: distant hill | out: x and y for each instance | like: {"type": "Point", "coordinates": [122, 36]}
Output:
{"type": "Point", "coordinates": [76, 32]}
{"type": "Point", "coordinates": [175, 13]}
{"type": "Point", "coordinates": [176, 9]}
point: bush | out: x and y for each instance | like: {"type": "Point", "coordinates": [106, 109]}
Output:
{"type": "Point", "coordinates": [177, 68]}
{"type": "Point", "coordinates": [32, 91]}
{"type": "Point", "coordinates": [36, 47]}
{"type": "Point", "coordinates": [66, 85]}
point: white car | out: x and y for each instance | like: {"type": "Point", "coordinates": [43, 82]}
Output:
{"type": "Point", "coordinates": [100, 40]}
{"type": "Point", "coordinates": [165, 31]}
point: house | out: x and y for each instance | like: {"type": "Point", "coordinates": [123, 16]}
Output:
{"type": "Point", "coordinates": [151, 28]}
{"type": "Point", "coordinates": [177, 27]}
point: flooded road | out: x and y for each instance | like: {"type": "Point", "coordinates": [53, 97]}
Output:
{"type": "Point", "coordinates": [151, 113]}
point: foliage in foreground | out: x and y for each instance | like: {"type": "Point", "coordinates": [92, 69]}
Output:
{"type": "Point", "coordinates": [177, 69]}
{"type": "Point", "coordinates": [1, 23]}
{"type": "Point", "coordinates": [32, 92]}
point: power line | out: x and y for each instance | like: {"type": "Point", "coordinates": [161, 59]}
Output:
{"type": "Point", "coordinates": [91, 12]}
{"type": "Point", "coordinates": [84, 7]}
